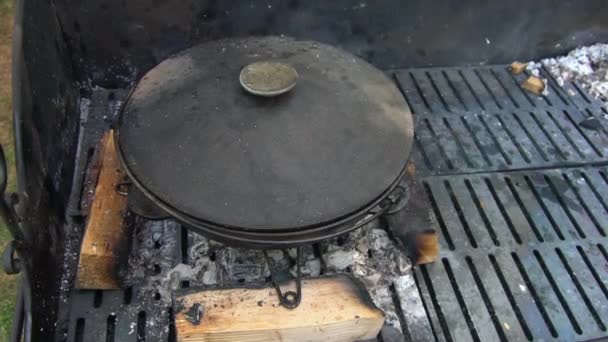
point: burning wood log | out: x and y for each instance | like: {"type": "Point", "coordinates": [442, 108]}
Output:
{"type": "Point", "coordinates": [332, 309]}
{"type": "Point", "coordinates": [105, 231]}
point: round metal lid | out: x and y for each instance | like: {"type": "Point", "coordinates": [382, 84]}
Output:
{"type": "Point", "coordinates": [194, 140]}
{"type": "Point", "coordinates": [268, 78]}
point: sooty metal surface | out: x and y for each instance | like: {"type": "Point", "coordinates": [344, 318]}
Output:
{"type": "Point", "coordinates": [519, 191]}
{"type": "Point", "coordinates": [519, 194]}
{"type": "Point", "coordinates": [523, 256]}
{"type": "Point", "coordinates": [480, 119]}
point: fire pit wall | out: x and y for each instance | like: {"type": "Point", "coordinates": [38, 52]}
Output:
{"type": "Point", "coordinates": [64, 50]}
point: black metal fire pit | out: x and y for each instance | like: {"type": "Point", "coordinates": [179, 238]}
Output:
{"type": "Point", "coordinates": [266, 172]}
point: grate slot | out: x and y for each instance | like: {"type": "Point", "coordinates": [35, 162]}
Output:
{"type": "Point", "coordinates": [486, 99]}
{"type": "Point", "coordinates": [595, 140]}
{"type": "Point", "coordinates": [505, 139]}
{"type": "Point", "coordinates": [440, 95]}
{"type": "Point", "coordinates": [486, 299]}
{"type": "Point", "coordinates": [571, 261]}
{"type": "Point", "coordinates": [398, 310]}
{"type": "Point", "coordinates": [442, 144]}
{"type": "Point", "coordinates": [592, 259]}
{"type": "Point", "coordinates": [97, 298]}
{"type": "Point", "coordinates": [446, 299]}
{"type": "Point", "coordinates": [461, 148]}
{"type": "Point", "coordinates": [515, 281]}
{"type": "Point", "coordinates": [475, 155]}
{"type": "Point", "coordinates": [454, 83]}
{"type": "Point", "coordinates": [432, 98]}
{"type": "Point", "coordinates": [461, 90]}
{"type": "Point", "coordinates": [561, 137]}
{"type": "Point", "coordinates": [411, 92]}
{"type": "Point", "coordinates": [589, 213]}
{"type": "Point", "coordinates": [593, 183]}
{"type": "Point", "coordinates": [527, 136]}
{"type": "Point", "coordinates": [475, 215]}
{"type": "Point", "coordinates": [111, 328]}
{"type": "Point", "coordinates": [542, 292]}
{"type": "Point", "coordinates": [519, 137]}
{"type": "Point", "coordinates": [582, 93]}
{"type": "Point", "coordinates": [79, 330]}
{"type": "Point", "coordinates": [471, 313]}
{"type": "Point", "coordinates": [445, 234]}
{"type": "Point", "coordinates": [477, 105]}
{"type": "Point", "coordinates": [430, 147]}
{"type": "Point", "coordinates": [126, 325]}
{"type": "Point", "coordinates": [560, 153]}
{"type": "Point", "coordinates": [565, 204]}
{"type": "Point", "coordinates": [564, 129]}
{"type": "Point", "coordinates": [452, 149]}
{"type": "Point", "coordinates": [459, 213]}
{"type": "Point", "coordinates": [492, 88]}
{"type": "Point", "coordinates": [492, 206]}
{"type": "Point", "coordinates": [141, 326]}
{"type": "Point", "coordinates": [495, 140]}
{"type": "Point", "coordinates": [598, 114]}
{"type": "Point", "coordinates": [427, 303]}
{"type": "Point", "coordinates": [419, 153]}
{"type": "Point", "coordinates": [447, 91]}
{"type": "Point", "coordinates": [541, 142]}
{"type": "Point", "coordinates": [485, 141]}
{"type": "Point", "coordinates": [517, 211]}
{"type": "Point", "coordinates": [500, 293]}
{"type": "Point", "coordinates": [504, 85]}
{"type": "Point", "coordinates": [437, 315]}
{"type": "Point", "coordinates": [548, 211]}
{"type": "Point", "coordinates": [561, 284]}
{"type": "Point", "coordinates": [532, 209]}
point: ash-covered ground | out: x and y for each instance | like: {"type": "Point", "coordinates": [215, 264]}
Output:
{"type": "Point", "coordinates": [587, 66]}
{"type": "Point", "coordinates": [158, 265]}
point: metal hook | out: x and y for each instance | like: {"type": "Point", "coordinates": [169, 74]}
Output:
{"type": "Point", "coordinates": [289, 299]}
{"type": "Point", "coordinates": [122, 188]}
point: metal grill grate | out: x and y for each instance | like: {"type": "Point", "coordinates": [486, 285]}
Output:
{"type": "Point", "coordinates": [479, 120]}
{"type": "Point", "coordinates": [487, 89]}
{"type": "Point", "coordinates": [523, 256]}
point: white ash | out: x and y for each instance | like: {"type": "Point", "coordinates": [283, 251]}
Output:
{"type": "Point", "coordinates": [367, 253]}
{"type": "Point", "coordinates": [587, 66]}
{"type": "Point", "coordinates": [374, 258]}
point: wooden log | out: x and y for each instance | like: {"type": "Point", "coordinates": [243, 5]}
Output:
{"type": "Point", "coordinates": [424, 247]}
{"type": "Point", "coordinates": [413, 223]}
{"type": "Point", "coordinates": [518, 67]}
{"type": "Point", "coordinates": [332, 309]}
{"type": "Point", "coordinates": [534, 85]}
{"type": "Point", "coordinates": [105, 232]}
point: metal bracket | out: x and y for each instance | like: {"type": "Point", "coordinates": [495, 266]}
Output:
{"type": "Point", "coordinates": [397, 199]}
{"type": "Point", "coordinates": [11, 264]}
{"type": "Point", "coordinates": [289, 299]}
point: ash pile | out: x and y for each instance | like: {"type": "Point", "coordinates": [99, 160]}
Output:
{"type": "Point", "coordinates": [587, 65]}
{"type": "Point", "coordinates": [162, 262]}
